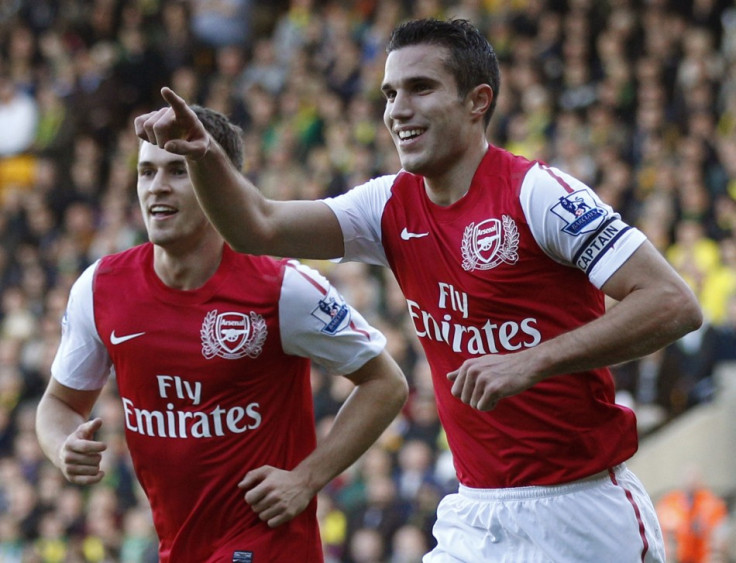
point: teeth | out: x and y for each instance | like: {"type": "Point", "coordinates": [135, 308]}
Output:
{"type": "Point", "coordinates": [403, 135]}
{"type": "Point", "coordinates": [162, 209]}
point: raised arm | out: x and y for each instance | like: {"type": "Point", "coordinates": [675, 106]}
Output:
{"type": "Point", "coordinates": [655, 308]}
{"type": "Point", "coordinates": [65, 434]}
{"type": "Point", "coordinates": [246, 219]}
{"type": "Point", "coordinates": [381, 390]}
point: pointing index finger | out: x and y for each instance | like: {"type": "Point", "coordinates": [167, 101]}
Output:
{"type": "Point", "coordinates": [176, 102]}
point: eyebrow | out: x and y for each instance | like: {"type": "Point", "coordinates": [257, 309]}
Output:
{"type": "Point", "coordinates": [148, 163]}
{"type": "Point", "coordinates": [410, 81]}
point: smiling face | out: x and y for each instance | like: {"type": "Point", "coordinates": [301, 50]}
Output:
{"type": "Point", "coordinates": [430, 123]}
{"type": "Point", "coordinates": [171, 212]}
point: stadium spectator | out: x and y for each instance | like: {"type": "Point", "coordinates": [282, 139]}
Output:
{"type": "Point", "coordinates": [691, 519]}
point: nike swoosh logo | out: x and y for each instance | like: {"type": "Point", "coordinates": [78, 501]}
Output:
{"type": "Point", "coordinates": [115, 340]}
{"type": "Point", "coordinates": [406, 235]}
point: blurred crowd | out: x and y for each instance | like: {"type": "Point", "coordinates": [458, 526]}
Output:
{"type": "Point", "coordinates": [635, 97]}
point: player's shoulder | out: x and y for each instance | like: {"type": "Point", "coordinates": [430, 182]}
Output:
{"type": "Point", "coordinates": [296, 270]}
{"type": "Point", "coordinates": [255, 264]}
{"type": "Point", "coordinates": [379, 185]}
{"type": "Point", "coordinates": [132, 257]}
{"type": "Point", "coordinates": [498, 158]}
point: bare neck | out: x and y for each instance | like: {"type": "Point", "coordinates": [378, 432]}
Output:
{"type": "Point", "coordinates": [191, 268]}
{"type": "Point", "coordinates": [451, 185]}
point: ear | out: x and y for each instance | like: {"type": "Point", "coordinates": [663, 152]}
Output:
{"type": "Point", "coordinates": [479, 100]}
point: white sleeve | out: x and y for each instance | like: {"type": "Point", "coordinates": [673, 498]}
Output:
{"type": "Point", "coordinates": [82, 361]}
{"type": "Point", "coordinates": [359, 213]}
{"type": "Point", "coordinates": [316, 323]}
{"type": "Point", "coordinates": [573, 226]}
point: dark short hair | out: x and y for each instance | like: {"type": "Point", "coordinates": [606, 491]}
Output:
{"type": "Point", "coordinates": [228, 135]}
{"type": "Point", "coordinates": [472, 60]}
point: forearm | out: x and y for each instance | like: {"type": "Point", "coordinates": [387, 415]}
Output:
{"type": "Point", "coordinates": [645, 321]}
{"type": "Point", "coordinates": [369, 409]}
{"type": "Point", "coordinates": [230, 201]}
{"type": "Point", "coordinates": [655, 308]}
{"type": "Point", "coordinates": [253, 224]}
{"type": "Point", "coordinates": [55, 422]}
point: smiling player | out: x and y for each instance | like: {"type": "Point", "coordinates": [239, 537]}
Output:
{"type": "Point", "coordinates": [211, 354]}
{"type": "Point", "coordinates": [505, 264]}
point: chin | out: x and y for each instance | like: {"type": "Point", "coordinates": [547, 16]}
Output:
{"type": "Point", "coordinates": [158, 239]}
{"type": "Point", "coordinates": [413, 165]}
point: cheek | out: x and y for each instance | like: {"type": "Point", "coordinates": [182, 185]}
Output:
{"type": "Point", "coordinates": [386, 118]}
{"type": "Point", "coordinates": [195, 213]}
{"type": "Point", "coordinates": [141, 205]}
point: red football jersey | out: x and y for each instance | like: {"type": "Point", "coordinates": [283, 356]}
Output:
{"type": "Point", "coordinates": [214, 382]}
{"type": "Point", "coordinates": [205, 371]}
{"type": "Point", "coordinates": [493, 288]}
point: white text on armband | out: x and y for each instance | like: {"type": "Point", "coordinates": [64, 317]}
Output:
{"type": "Point", "coordinates": [490, 338]}
{"type": "Point", "coordinates": [597, 245]}
{"type": "Point", "coordinates": [173, 423]}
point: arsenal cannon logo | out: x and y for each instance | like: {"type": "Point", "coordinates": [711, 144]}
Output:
{"type": "Point", "coordinates": [232, 335]}
{"type": "Point", "coordinates": [489, 243]}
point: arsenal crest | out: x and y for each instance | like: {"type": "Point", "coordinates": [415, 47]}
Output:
{"type": "Point", "coordinates": [232, 335]}
{"type": "Point", "coordinates": [490, 243]}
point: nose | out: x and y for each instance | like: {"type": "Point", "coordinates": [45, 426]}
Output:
{"type": "Point", "coordinates": [400, 107]}
{"type": "Point", "coordinates": [159, 183]}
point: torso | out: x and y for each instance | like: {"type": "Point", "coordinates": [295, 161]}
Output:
{"type": "Point", "coordinates": [476, 283]}
{"type": "Point", "coordinates": [204, 386]}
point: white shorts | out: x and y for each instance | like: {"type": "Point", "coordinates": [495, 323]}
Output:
{"type": "Point", "coordinates": [606, 519]}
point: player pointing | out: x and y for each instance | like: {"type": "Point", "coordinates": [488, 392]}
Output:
{"type": "Point", "coordinates": [519, 370]}
{"type": "Point", "coordinates": [211, 352]}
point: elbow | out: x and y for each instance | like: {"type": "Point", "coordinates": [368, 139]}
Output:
{"type": "Point", "coordinates": [402, 391]}
{"type": "Point", "coordinates": [695, 318]}
{"type": "Point", "coordinates": [399, 391]}
{"type": "Point", "coordinates": [685, 312]}
{"type": "Point", "coordinates": [385, 384]}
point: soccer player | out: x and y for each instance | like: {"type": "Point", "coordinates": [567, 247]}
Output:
{"type": "Point", "coordinates": [505, 264]}
{"type": "Point", "coordinates": [211, 352]}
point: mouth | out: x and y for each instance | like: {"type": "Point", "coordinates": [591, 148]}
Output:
{"type": "Point", "coordinates": [160, 211]}
{"type": "Point", "coordinates": [407, 136]}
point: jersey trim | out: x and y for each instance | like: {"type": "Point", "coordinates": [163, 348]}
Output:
{"type": "Point", "coordinates": [557, 178]}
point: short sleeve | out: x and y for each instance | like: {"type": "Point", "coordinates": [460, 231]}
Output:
{"type": "Point", "coordinates": [359, 212]}
{"type": "Point", "coordinates": [316, 323]}
{"type": "Point", "coordinates": [82, 361]}
{"type": "Point", "coordinates": [573, 226]}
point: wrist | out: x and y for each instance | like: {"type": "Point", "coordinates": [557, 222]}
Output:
{"type": "Point", "coordinates": [540, 363]}
{"type": "Point", "coordinates": [312, 480]}
{"type": "Point", "coordinates": [59, 457]}
{"type": "Point", "coordinates": [200, 154]}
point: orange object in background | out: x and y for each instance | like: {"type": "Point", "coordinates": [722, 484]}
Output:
{"type": "Point", "coordinates": [689, 518]}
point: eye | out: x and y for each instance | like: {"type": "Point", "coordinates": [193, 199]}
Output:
{"type": "Point", "coordinates": [421, 88]}
{"type": "Point", "coordinates": [389, 94]}
{"type": "Point", "coordinates": [145, 173]}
